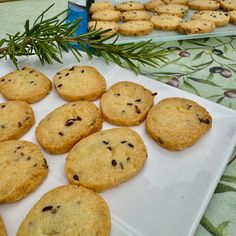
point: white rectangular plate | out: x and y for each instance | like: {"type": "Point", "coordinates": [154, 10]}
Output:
{"type": "Point", "coordinates": [169, 196]}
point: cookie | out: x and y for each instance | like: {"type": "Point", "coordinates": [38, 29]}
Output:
{"type": "Point", "coordinates": [16, 118]}
{"type": "Point", "coordinates": [232, 15]}
{"type": "Point", "coordinates": [136, 28]}
{"type": "Point", "coordinates": [106, 159]}
{"type": "Point", "coordinates": [179, 10]}
{"type": "Point", "coordinates": [103, 25]}
{"type": "Point", "coordinates": [129, 6]}
{"type": "Point", "coordinates": [195, 27]}
{"type": "Point", "coordinates": [27, 84]}
{"type": "Point", "coordinates": [228, 5]}
{"type": "Point", "coordinates": [151, 5]}
{"type": "Point", "coordinates": [177, 123]}
{"type": "Point", "coordinates": [79, 83]}
{"type": "Point", "coordinates": [3, 231]}
{"type": "Point", "coordinates": [68, 210]}
{"type": "Point", "coordinates": [210, 5]}
{"type": "Point", "coordinates": [219, 18]}
{"type": "Point", "coordinates": [181, 2]}
{"type": "Point", "coordinates": [22, 169]}
{"type": "Point", "coordinates": [126, 103]}
{"type": "Point", "coordinates": [165, 21]}
{"type": "Point", "coordinates": [62, 128]}
{"type": "Point", "coordinates": [100, 6]}
{"type": "Point", "coordinates": [107, 15]}
{"type": "Point", "coordinates": [135, 15]}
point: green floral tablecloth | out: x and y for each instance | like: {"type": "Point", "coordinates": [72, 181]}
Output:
{"type": "Point", "coordinates": [205, 67]}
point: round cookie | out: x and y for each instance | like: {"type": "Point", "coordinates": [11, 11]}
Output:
{"type": "Point", "coordinates": [126, 104]}
{"type": "Point", "coordinates": [228, 5]}
{"type": "Point", "coordinates": [151, 5]}
{"type": "Point", "coordinates": [16, 118]}
{"type": "Point", "coordinates": [62, 128]}
{"type": "Point", "coordinates": [107, 15]}
{"type": "Point", "coordinates": [106, 159]}
{"type": "Point", "coordinates": [79, 83]}
{"type": "Point", "coordinates": [129, 6]}
{"type": "Point", "coordinates": [219, 18]}
{"type": "Point", "coordinates": [3, 231]}
{"type": "Point", "coordinates": [232, 15]}
{"type": "Point", "coordinates": [165, 21]}
{"type": "Point", "coordinates": [68, 210]}
{"type": "Point", "coordinates": [27, 85]}
{"type": "Point", "coordinates": [177, 123]}
{"type": "Point", "coordinates": [210, 5]}
{"type": "Point", "coordinates": [195, 27]}
{"type": "Point", "coordinates": [181, 2]}
{"type": "Point", "coordinates": [135, 15]}
{"type": "Point", "coordinates": [136, 28]}
{"type": "Point", "coordinates": [176, 9]}
{"type": "Point", "coordinates": [100, 6]}
{"type": "Point", "coordinates": [22, 169]}
{"type": "Point", "coordinates": [103, 25]}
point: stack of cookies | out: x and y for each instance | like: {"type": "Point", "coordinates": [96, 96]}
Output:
{"type": "Point", "coordinates": [96, 160]}
{"type": "Point", "coordinates": [133, 18]}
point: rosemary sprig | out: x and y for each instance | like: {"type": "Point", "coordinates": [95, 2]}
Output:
{"type": "Point", "coordinates": [47, 38]}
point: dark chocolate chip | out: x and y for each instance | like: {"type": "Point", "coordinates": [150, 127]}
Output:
{"type": "Point", "coordinates": [117, 94]}
{"type": "Point", "coordinates": [154, 94]}
{"type": "Point", "coordinates": [138, 111]}
{"type": "Point", "coordinates": [28, 158]}
{"type": "Point", "coordinates": [105, 142]}
{"type": "Point", "coordinates": [138, 100]}
{"type": "Point", "coordinates": [59, 85]}
{"type": "Point", "coordinates": [22, 154]}
{"type": "Point", "coordinates": [2, 80]}
{"type": "Point", "coordinates": [131, 145]}
{"type": "Point", "coordinates": [188, 106]}
{"type": "Point", "coordinates": [76, 177]}
{"type": "Point", "coordinates": [3, 106]}
{"type": "Point", "coordinates": [67, 74]}
{"type": "Point", "coordinates": [31, 71]}
{"type": "Point", "coordinates": [60, 133]}
{"type": "Point", "coordinates": [35, 165]}
{"type": "Point", "coordinates": [19, 147]}
{"type": "Point", "coordinates": [31, 82]}
{"type": "Point", "coordinates": [121, 166]}
{"type": "Point", "coordinates": [47, 208]}
{"type": "Point", "coordinates": [2, 126]}
{"type": "Point", "coordinates": [82, 71]}
{"type": "Point", "coordinates": [109, 148]}
{"type": "Point", "coordinates": [128, 159]}
{"type": "Point", "coordinates": [123, 142]}
{"type": "Point", "coordinates": [19, 124]}
{"type": "Point", "coordinates": [114, 162]}
{"type": "Point", "coordinates": [129, 104]}
{"type": "Point", "coordinates": [205, 121]}
{"type": "Point", "coordinates": [23, 68]}
{"type": "Point", "coordinates": [72, 68]}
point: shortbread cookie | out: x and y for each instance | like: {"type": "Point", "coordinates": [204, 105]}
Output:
{"type": "Point", "coordinates": [100, 6]}
{"type": "Point", "coordinates": [62, 128]}
{"type": "Point", "coordinates": [106, 159]}
{"type": "Point", "coordinates": [195, 27]}
{"type": "Point", "coordinates": [204, 5]}
{"type": "Point", "coordinates": [3, 231]}
{"type": "Point", "coordinates": [79, 83]}
{"type": "Point", "coordinates": [103, 25]}
{"type": "Point", "coordinates": [135, 15]}
{"type": "Point", "coordinates": [217, 17]}
{"type": "Point", "coordinates": [129, 6]}
{"type": "Point", "coordinates": [165, 21]}
{"type": "Point", "coordinates": [22, 169]}
{"type": "Point", "coordinates": [151, 5]}
{"type": "Point", "coordinates": [107, 15]}
{"type": "Point", "coordinates": [27, 84]}
{"type": "Point", "coordinates": [69, 211]}
{"type": "Point", "coordinates": [177, 123]}
{"type": "Point", "coordinates": [126, 103]}
{"type": "Point", "coordinates": [232, 15]}
{"type": "Point", "coordinates": [176, 9]}
{"type": "Point", "coordinates": [16, 118]}
{"type": "Point", "coordinates": [136, 28]}
{"type": "Point", "coordinates": [181, 2]}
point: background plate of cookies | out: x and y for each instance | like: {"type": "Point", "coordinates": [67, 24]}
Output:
{"type": "Point", "coordinates": [164, 20]}
{"type": "Point", "coordinates": [154, 154]}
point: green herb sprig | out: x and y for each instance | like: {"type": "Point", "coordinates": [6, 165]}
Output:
{"type": "Point", "coordinates": [47, 38]}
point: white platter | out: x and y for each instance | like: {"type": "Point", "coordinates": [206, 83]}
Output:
{"type": "Point", "coordinates": [169, 196]}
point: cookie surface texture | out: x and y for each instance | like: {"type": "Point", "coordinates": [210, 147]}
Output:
{"type": "Point", "coordinates": [135, 15]}
{"type": "Point", "coordinates": [165, 21]}
{"type": "Point", "coordinates": [129, 6]}
{"type": "Point", "coordinates": [22, 167]}
{"type": "Point", "coordinates": [107, 15]}
{"type": "Point", "coordinates": [136, 28]}
{"type": "Point", "coordinates": [103, 25]}
{"type": "Point", "coordinates": [79, 83]}
{"type": "Point", "coordinates": [16, 118]}
{"type": "Point", "coordinates": [106, 159]}
{"type": "Point", "coordinates": [232, 15]}
{"type": "Point", "coordinates": [195, 27]}
{"type": "Point", "coordinates": [228, 5]}
{"type": "Point", "coordinates": [181, 2]}
{"type": "Point", "coordinates": [177, 123]}
{"type": "Point", "coordinates": [100, 6]}
{"type": "Point", "coordinates": [68, 210]}
{"type": "Point", "coordinates": [126, 103]}
{"type": "Point", "coordinates": [176, 9]}
{"type": "Point", "coordinates": [62, 128]}
{"type": "Point", "coordinates": [204, 4]}
{"type": "Point", "coordinates": [151, 5]}
{"type": "Point", "coordinates": [216, 17]}
{"type": "Point", "coordinates": [3, 231]}
{"type": "Point", "coordinates": [27, 85]}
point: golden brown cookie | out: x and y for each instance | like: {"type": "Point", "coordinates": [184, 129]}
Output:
{"type": "Point", "coordinates": [107, 15]}
{"type": "Point", "coordinates": [27, 84]}
{"type": "Point", "coordinates": [62, 128]}
{"type": "Point", "coordinates": [68, 210]}
{"type": "Point", "coordinates": [79, 83]}
{"type": "Point", "coordinates": [228, 5]}
{"type": "Point", "coordinates": [103, 25]}
{"type": "Point", "coordinates": [135, 15]}
{"type": "Point", "coordinates": [106, 159]}
{"type": "Point", "coordinates": [232, 15]}
{"type": "Point", "coordinates": [22, 169]}
{"type": "Point", "coordinates": [3, 231]}
{"type": "Point", "coordinates": [16, 118]}
{"type": "Point", "coordinates": [100, 6]}
{"type": "Point", "coordinates": [126, 103]}
{"type": "Point", "coordinates": [177, 123]}
{"type": "Point", "coordinates": [201, 5]}
{"type": "Point", "coordinates": [176, 9]}
{"type": "Point", "coordinates": [129, 6]}
{"type": "Point", "coordinates": [165, 21]}
{"type": "Point", "coordinates": [151, 5]}
{"type": "Point", "coordinates": [181, 2]}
